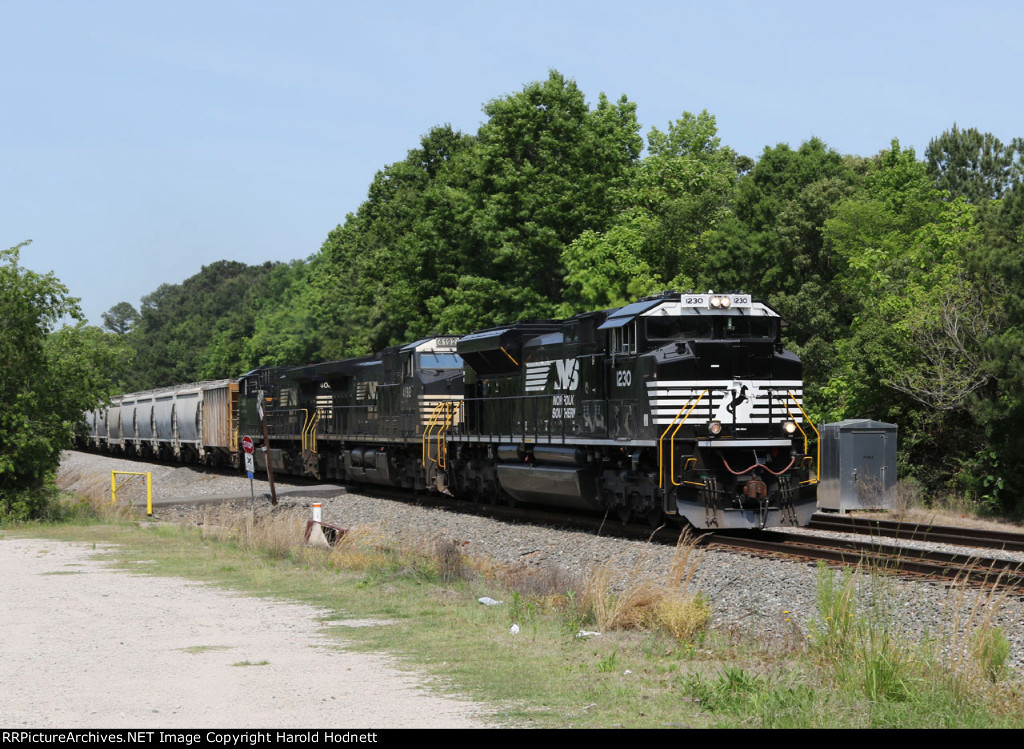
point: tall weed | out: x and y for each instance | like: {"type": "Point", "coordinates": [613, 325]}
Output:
{"type": "Point", "coordinates": [858, 635]}
{"type": "Point", "coordinates": [636, 600]}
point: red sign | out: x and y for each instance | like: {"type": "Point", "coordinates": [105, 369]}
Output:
{"type": "Point", "coordinates": [247, 444]}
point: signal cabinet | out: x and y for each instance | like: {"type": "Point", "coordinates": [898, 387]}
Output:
{"type": "Point", "coordinates": [858, 466]}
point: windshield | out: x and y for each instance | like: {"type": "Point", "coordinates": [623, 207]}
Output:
{"type": "Point", "coordinates": [440, 361]}
{"type": "Point", "coordinates": [679, 328]}
{"type": "Point", "coordinates": [749, 327]}
{"type": "Point", "coordinates": [708, 327]}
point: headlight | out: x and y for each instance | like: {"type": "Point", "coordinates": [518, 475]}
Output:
{"type": "Point", "coordinates": [716, 301]}
{"type": "Point", "coordinates": [789, 427]}
{"type": "Point", "coordinates": [715, 428]}
{"type": "Point", "coordinates": [726, 302]}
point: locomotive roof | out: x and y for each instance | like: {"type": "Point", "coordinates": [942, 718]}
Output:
{"type": "Point", "coordinates": [434, 343]}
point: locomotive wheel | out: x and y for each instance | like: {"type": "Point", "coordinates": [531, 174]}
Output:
{"type": "Point", "coordinates": [655, 517]}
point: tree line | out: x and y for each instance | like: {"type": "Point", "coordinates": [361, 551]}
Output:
{"type": "Point", "coordinates": [899, 275]}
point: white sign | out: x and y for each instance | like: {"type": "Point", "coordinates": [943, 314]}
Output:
{"type": "Point", "coordinates": [249, 463]}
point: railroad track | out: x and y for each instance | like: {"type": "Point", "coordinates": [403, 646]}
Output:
{"type": "Point", "coordinates": [929, 563]}
{"type": "Point", "coordinates": [943, 534]}
{"type": "Point", "coordinates": [872, 554]}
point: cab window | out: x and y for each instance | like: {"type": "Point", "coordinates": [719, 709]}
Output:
{"type": "Point", "coordinates": [435, 360]}
{"type": "Point", "coordinates": [749, 327]}
{"type": "Point", "coordinates": [684, 328]}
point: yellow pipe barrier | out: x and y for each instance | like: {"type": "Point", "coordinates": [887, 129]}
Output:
{"type": "Point", "coordinates": [131, 474]}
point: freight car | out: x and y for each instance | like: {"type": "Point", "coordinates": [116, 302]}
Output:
{"type": "Point", "coordinates": [680, 406]}
{"type": "Point", "coordinates": [193, 423]}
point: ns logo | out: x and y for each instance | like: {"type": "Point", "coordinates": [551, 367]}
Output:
{"type": "Point", "coordinates": [567, 372]}
{"type": "Point", "coordinates": [566, 375]}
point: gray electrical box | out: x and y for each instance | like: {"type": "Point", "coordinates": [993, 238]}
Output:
{"type": "Point", "coordinates": [858, 466]}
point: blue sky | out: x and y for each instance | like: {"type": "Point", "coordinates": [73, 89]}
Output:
{"type": "Point", "coordinates": [140, 140]}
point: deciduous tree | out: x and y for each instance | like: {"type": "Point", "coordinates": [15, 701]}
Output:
{"type": "Point", "coordinates": [48, 379]}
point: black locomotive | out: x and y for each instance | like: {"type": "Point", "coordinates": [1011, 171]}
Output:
{"type": "Point", "coordinates": [680, 406]}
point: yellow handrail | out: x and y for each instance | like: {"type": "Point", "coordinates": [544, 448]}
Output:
{"type": "Point", "coordinates": [672, 444]}
{"type": "Point", "coordinates": [429, 429]}
{"type": "Point", "coordinates": [817, 474]}
{"type": "Point", "coordinates": [661, 439]}
{"type": "Point", "coordinates": [309, 430]}
{"type": "Point", "coordinates": [450, 413]}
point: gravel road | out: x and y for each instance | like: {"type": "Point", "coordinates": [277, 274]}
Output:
{"type": "Point", "coordinates": [84, 646]}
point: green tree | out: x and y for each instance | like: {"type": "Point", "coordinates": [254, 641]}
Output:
{"type": "Point", "coordinates": [999, 259]}
{"type": "Point", "coordinates": [197, 328]}
{"type": "Point", "coordinates": [120, 318]}
{"type": "Point", "coordinates": [47, 381]}
{"type": "Point", "coordinates": [369, 283]}
{"type": "Point", "coordinates": [974, 165]}
{"type": "Point", "coordinates": [469, 231]}
{"type": "Point", "coordinates": [677, 194]}
{"type": "Point", "coordinates": [771, 244]}
{"type": "Point", "coordinates": [914, 353]}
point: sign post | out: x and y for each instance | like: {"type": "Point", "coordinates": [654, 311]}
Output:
{"type": "Point", "coordinates": [266, 448]}
{"type": "Point", "coordinates": [248, 446]}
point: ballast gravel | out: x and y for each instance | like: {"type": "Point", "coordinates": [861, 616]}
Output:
{"type": "Point", "coordinates": [771, 601]}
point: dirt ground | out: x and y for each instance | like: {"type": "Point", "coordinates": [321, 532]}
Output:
{"type": "Point", "coordinates": [84, 646]}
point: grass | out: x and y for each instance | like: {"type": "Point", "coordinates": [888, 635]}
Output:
{"type": "Point", "coordinates": [911, 506]}
{"type": "Point", "coordinates": [657, 661]}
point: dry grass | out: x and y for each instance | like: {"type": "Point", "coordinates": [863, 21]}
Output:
{"type": "Point", "coordinates": [911, 506]}
{"type": "Point", "coordinates": [642, 601]}
{"type": "Point", "coordinates": [977, 647]}
{"type": "Point", "coordinates": [360, 550]}
{"type": "Point", "coordinates": [958, 514]}
{"type": "Point", "coordinates": [613, 597]}
{"type": "Point", "coordinates": [278, 532]}
{"type": "Point", "coordinates": [909, 498]}
{"type": "Point", "coordinates": [538, 582]}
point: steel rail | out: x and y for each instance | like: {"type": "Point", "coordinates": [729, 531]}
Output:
{"type": "Point", "coordinates": [982, 538]}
